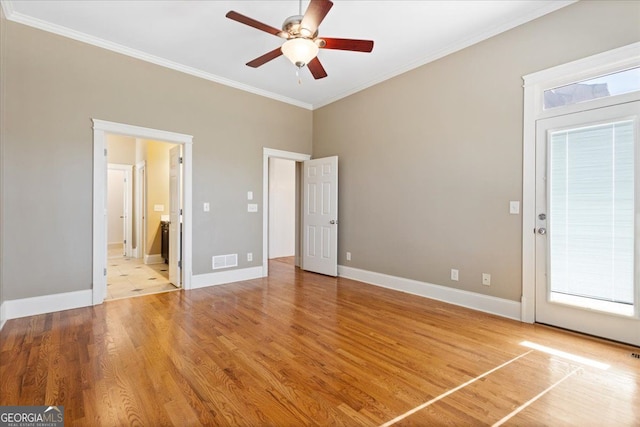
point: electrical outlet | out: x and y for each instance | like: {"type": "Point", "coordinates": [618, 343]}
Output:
{"type": "Point", "coordinates": [206, 207]}
{"type": "Point", "coordinates": [454, 274]}
{"type": "Point", "coordinates": [348, 256]}
{"type": "Point", "coordinates": [486, 279]}
{"type": "Point", "coordinates": [249, 256]}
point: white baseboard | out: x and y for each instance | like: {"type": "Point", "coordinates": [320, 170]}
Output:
{"type": "Point", "coordinates": [153, 259]}
{"type": "Point", "coordinates": [480, 302]}
{"type": "Point", "coordinates": [3, 317]}
{"type": "Point", "coordinates": [47, 304]}
{"type": "Point", "coordinates": [223, 277]}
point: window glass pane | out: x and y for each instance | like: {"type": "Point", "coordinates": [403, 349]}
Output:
{"type": "Point", "coordinates": [599, 87]}
{"type": "Point", "coordinates": [591, 212]}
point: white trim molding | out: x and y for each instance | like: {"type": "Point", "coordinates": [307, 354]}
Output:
{"type": "Point", "coordinates": [267, 153]}
{"type": "Point", "coordinates": [3, 314]}
{"type": "Point", "coordinates": [534, 86]}
{"type": "Point", "coordinates": [472, 300]}
{"type": "Point", "coordinates": [153, 259]}
{"type": "Point", "coordinates": [47, 304]}
{"type": "Point", "coordinates": [224, 277]}
{"type": "Point", "coordinates": [100, 129]}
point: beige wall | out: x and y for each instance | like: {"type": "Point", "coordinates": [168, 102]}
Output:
{"type": "Point", "coordinates": [429, 160]}
{"type": "Point", "coordinates": [157, 158]}
{"type": "Point", "coordinates": [121, 149]}
{"type": "Point", "coordinates": [54, 87]}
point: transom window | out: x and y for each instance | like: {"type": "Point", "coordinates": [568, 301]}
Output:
{"type": "Point", "coordinates": [613, 84]}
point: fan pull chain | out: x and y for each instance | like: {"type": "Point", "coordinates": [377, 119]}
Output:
{"type": "Point", "coordinates": [298, 75]}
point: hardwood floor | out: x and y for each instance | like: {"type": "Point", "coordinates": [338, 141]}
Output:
{"type": "Point", "coordinates": [303, 349]}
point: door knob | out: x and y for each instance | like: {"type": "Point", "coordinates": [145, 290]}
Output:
{"type": "Point", "coordinates": [333, 221]}
{"type": "Point", "coordinates": [542, 231]}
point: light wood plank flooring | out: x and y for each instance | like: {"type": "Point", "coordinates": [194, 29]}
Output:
{"type": "Point", "coordinates": [303, 349]}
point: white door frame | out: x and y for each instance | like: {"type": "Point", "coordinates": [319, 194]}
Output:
{"type": "Point", "coordinates": [100, 129]}
{"type": "Point", "coordinates": [534, 86]}
{"type": "Point", "coordinates": [128, 197]}
{"type": "Point", "coordinates": [175, 222]}
{"type": "Point", "coordinates": [266, 154]}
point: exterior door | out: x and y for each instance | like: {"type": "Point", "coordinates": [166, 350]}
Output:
{"type": "Point", "coordinates": [175, 216]}
{"type": "Point", "coordinates": [588, 222]}
{"type": "Point", "coordinates": [320, 216]}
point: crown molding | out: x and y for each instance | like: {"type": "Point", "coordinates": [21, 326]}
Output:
{"type": "Point", "coordinates": [7, 8]}
{"type": "Point", "coordinates": [60, 30]}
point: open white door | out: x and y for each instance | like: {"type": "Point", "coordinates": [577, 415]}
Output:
{"type": "Point", "coordinates": [175, 208]}
{"type": "Point", "coordinates": [320, 216]}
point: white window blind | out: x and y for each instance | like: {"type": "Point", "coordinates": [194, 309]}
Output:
{"type": "Point", "coordinates": [591, 212]}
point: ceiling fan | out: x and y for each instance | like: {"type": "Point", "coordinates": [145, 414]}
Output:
{"type": "Point", "coordinates": [302, 42]}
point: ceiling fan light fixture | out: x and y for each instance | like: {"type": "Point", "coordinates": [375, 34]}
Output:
{"type": "Point", "coordinates": [300, 51]}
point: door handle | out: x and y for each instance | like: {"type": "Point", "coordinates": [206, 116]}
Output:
{"type": "Point", "coordinates": [333, 221]}
{"type": "Point", "coordinates": [542, 231]}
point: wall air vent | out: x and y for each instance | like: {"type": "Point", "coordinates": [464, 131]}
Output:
{"type": "Point", "coordinates": [224, 261]}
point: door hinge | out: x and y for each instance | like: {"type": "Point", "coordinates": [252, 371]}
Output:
{"type": "Point", "coordinates": [180, 160]}
{"type": "Point", "coordinates": [179, 264]}
{"type": "Point", "coordinates": [180, 211]}
{"type": "Point", "coordinates": [105, 152]}
{"type": "Point", "coordinates": [125, 241]}
{"type": "Point", "coordinates": [105, 271]}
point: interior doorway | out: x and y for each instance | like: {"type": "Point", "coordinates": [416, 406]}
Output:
{"type": "Point", "coordinates": [295, 159]}
{"type": "Point", "coordinates": [154, 266]}
{"type": "Point", "coordinates": [282, 209]}
{"type": "Point", "coordinates": [316, 218]}
{"type": "Point", "coordinates": [148, 249]}
{"type": "Point", "coordinates": [119, 208]}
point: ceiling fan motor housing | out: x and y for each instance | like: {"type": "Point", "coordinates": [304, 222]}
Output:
{"type": "Point", "coordinates": [291, 28]}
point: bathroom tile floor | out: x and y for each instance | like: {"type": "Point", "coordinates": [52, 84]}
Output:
{"type": "Point", "coordinates": [128, 277]}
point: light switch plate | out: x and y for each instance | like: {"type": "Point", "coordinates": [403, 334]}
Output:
{"type": "Point", "coordinates": [514, 207]}
{"type": "Point", "coordinates": [158, 208]}
{"type": "Point", "coordinates": [206, 207]}
{"type": "Point", "coordinates": [252, 207]}
{"type": "Point", "coordinates": [486, 279]}
{"type": "Point", "coordinates": [249, 195]}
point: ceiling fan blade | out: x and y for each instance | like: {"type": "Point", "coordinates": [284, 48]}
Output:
{"type": "Point", "coordinates": [348, 44]}
{"type": "Point", "coordinates": [316, 68]}
{"type": "Point", "coordinates": [314, 15]}
{"type": "Point", "coordinates": [253, 23]}
{"type": "Point", "coordinates": [261, 60]}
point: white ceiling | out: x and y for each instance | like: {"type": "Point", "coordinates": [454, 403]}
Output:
{"type": "Point", "coordinates": [195, 37]}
